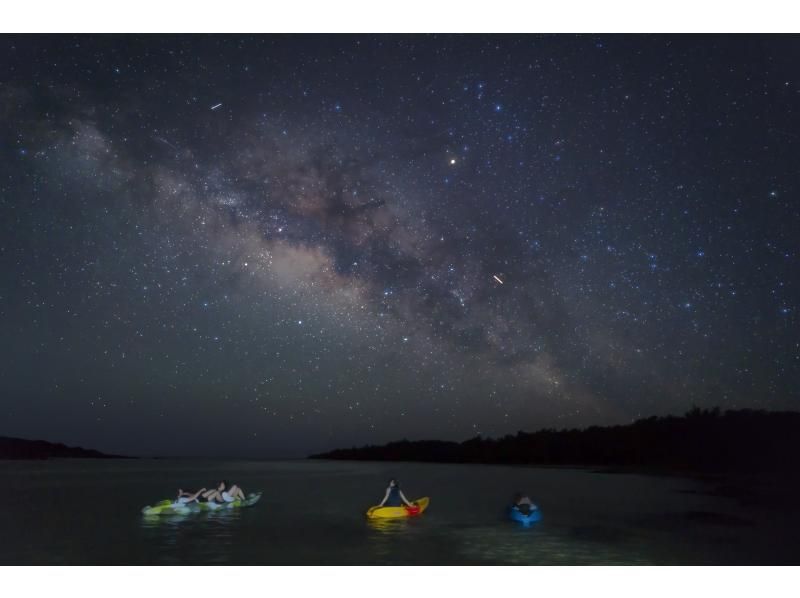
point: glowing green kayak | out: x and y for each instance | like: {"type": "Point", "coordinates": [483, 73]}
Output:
{"type": "Point", "coordinates": [171, 507]}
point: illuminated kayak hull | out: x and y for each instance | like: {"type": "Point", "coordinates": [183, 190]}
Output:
{"type": "Point", "coordinates": [525, 519]}
{"type": "Point", "coordinates": [399, 512]}
{"type": "Point", "coordinates": [169, 507]}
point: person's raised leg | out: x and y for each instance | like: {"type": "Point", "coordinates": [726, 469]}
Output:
{"type": "Point", "coordinates": [236, 492]}
{"type": "Point", "coordinates": [193, 497]}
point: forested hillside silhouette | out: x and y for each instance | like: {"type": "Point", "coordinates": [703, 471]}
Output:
{"type": "Point", "coordinates": [703, 440]}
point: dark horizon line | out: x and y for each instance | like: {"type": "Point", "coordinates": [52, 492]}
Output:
{"type": "Point", "coordinates": [79, 452]}
{"type": "Point", "coordinates": [87, 453]}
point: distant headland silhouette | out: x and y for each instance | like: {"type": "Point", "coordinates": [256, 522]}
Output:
{"type": "Point", "coordinates": [701, 440]}
{"type": "Point", "coordinates": [20, 448]}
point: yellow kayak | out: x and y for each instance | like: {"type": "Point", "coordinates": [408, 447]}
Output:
{"type": "Point", "coordinates": [397, 512]}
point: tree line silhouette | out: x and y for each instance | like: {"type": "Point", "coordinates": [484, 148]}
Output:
{"type": "Point", "coordinates": [701, 440]}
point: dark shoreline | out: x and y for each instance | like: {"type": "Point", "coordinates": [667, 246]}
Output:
{"type": "Point", "coordinates": [700, 442]}
{"type": "Point", "coordinates": [22, 449]}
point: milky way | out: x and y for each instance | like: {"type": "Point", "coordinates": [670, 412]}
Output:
{"type": "Point", "coordinates": [273, 245]}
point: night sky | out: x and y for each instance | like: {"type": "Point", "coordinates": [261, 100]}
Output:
{"type": "Point", "coordinates": [274, 245]}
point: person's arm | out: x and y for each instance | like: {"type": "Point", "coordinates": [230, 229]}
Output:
{"type": "Point", "coordinates": [385, 498]}
{"type": "Point", "coordinates": [405, 500]}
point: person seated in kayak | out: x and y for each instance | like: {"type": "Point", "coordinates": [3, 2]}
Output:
{"type": "Point", "coordinates": [224, 493]}
{"type": "Point", "coordinates": [394, 497]}
{"type": "Point", "coordinates": [523, 503]}
{"type": "Point", "coordinates": [187, 497]}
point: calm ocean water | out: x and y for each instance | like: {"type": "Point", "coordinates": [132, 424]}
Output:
{"type": "Point", "coordinates": [312, 512]}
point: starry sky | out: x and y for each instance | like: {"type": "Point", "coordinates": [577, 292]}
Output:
{"type": "Point", "coordinates": [272, 245]}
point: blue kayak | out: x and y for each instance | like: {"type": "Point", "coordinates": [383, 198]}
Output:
{"type": "Point", "coordinates": [532, 516]}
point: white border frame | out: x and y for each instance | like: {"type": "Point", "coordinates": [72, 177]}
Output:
{"type": "Point", "coordinates": [409, 16]}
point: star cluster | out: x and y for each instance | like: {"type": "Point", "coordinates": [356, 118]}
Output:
{"type": "Point", "coordinates": [271, 245]}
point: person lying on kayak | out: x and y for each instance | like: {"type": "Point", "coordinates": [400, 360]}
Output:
{"type": "Point", "coordinates": [523, 503]}
{"type": "Point", "coordinates": [394, 497]}
{"type": "Point", "coordinates": [223, 493]}
{"type": "Point", "coordinates": [187, 497]}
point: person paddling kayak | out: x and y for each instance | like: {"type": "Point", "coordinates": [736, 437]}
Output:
{"type": "Point", "coordinates": [523, 503]}
{"type": "Point", "coordinates": [394, 497]}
